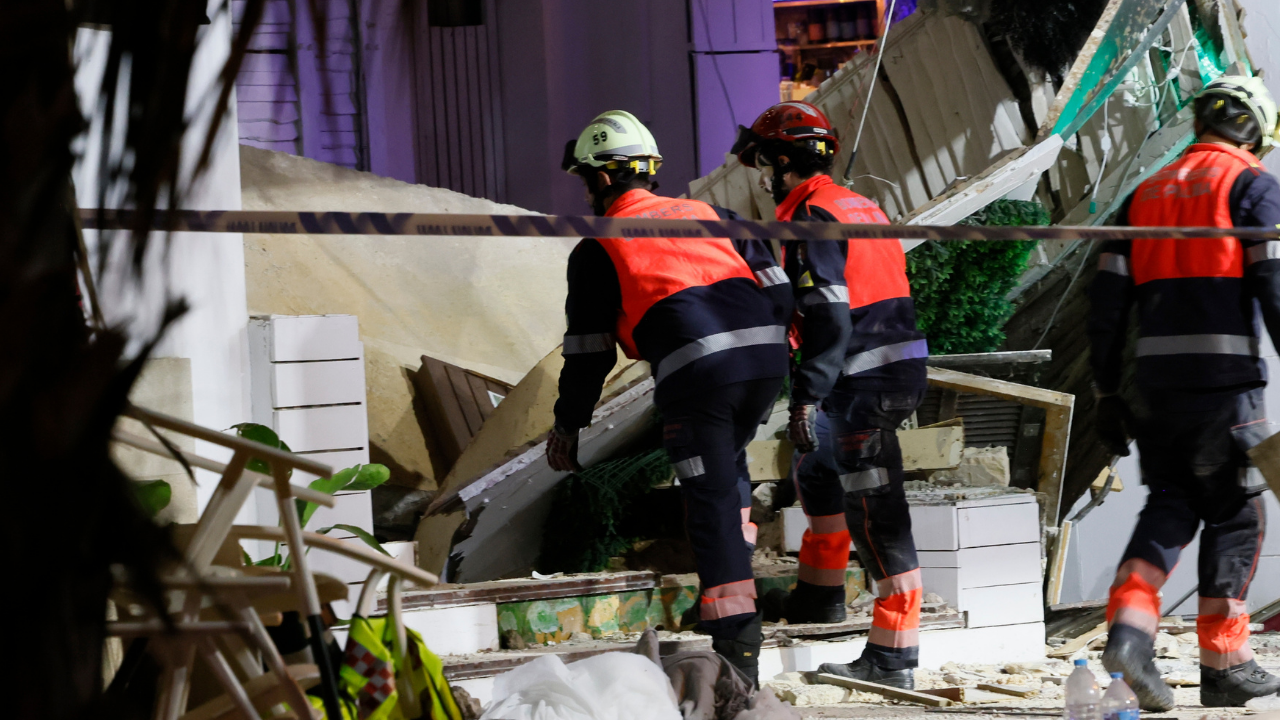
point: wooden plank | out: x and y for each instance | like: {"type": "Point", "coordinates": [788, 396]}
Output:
{"type": "Point", "coordinates": [525, 589]}
{"type": "Point", "coordinates": [1025, 394]}
{"type": "Point", "coordinates": [992, 358]}
{"type": "Point", "coordinates": [889, 692]}
{"type": "Point", "coordinates": [954, 694]}
{"type": "Point", "coordinates": [466, 401]}
{"type": "Point", "coordinates": [928, 621]}
{"type": "Point", "coordinates": [1058, 565]}
{"type": "Point", "coordinates": [1014, 690]}
{"type": "Point", "coordinates": [1079, 643]}
{"type": "Point", "coordinates": [441, 400]}
{"type": "Point", "coordinates": [480, 393]}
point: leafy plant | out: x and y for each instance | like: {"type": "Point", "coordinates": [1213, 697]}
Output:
{"type": "Point", "coordinates": [352, 479]}
{"type": "Point", "coordinates": [959, 287]}
{"type": "Point", "coordinates": [153, 496]}
{"type": "Point", "coordinates": [583, 529]}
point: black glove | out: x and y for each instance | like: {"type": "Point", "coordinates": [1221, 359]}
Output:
{"type": "Point", "coordinates": [562, 450]}
{"type": "Point", "coordinates": [802, 430]}
{"type": "Point", "coordinates": [1113, 419]}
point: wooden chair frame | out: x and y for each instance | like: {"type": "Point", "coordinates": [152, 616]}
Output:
{"type": "Point", "coordinates": [199, 584]}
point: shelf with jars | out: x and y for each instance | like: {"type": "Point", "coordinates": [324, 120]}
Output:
{"type": "Point", "coordinates": [816, 37]}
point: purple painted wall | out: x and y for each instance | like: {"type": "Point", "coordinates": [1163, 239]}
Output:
{"type": "Point", "coordinates": [487, 110]}
{"type": "Point", "coordinates": [566, 61]}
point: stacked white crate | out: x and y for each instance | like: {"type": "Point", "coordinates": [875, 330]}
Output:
{"type": "Point", "coordinates": [307, 383]}
{"type": "Point", "coordinates": [983, 557]}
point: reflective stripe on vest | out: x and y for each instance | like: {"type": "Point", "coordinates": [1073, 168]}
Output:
{"type": "Point", "coordinates": [1193, 191]}
{"type": "Point", "coordinates": [652, 269]}
{"type": "Point", "coordinates": [874, 270]}
{"type": "Point", "coordinates": [878, 357]}
{"type": "Point", "coordinates": [762, 335]}
{"type": "Point", "coordinates": [1198, 345]}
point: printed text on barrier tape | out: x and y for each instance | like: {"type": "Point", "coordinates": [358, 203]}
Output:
{"type": "Point", "coordinates": [344, 223]}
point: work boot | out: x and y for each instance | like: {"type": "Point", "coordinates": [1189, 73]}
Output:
{"type": "Point", "coordinates": [1132, 652]}
{"type": "Point", "coordinates": [801, 607]}
{"type": "Point", "coordinates": [1235, 686]}
{"type": "Point", "coordinates": [743, 650]}
{"type": "Point", "coordinates": [862, 669]}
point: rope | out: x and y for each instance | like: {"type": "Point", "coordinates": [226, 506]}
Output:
{"type": "Point", "coordinates": [857, 139]}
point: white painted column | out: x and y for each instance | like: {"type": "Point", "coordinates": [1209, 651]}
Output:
{"type": "Point", "coordinates": [205, 269]}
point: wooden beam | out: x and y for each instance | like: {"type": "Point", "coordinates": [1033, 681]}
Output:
{"type": "Point", "coordinates": [1025, 394]}
{"type": "Point", "coordinates": [1013, 690]}
{"type": "Point", "coordinates": [892, 693]}
{"type": "Point", "coordinates": [1058, 565]}
{"type": "Point", "coordinates": [991, 358]}
{"type": "Point", "coordinates": [1075, 645]}
{"type": "Point", "coordinates": [1057, 426]}
{"type": "Point", "coordinates": [525, 589]}
{"type": "Point", "coordinates": [1004, 175]}
{"type": "Point", "coordinates": [364, 553]}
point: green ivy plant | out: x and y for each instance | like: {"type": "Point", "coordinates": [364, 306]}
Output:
{"type": "Point", "coordinates": [352, 479]}
{"type": "Point", "coordinates": [959, 287]}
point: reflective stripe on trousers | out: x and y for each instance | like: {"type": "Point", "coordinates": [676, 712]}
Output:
{"type": "Point", "coordinates": [877, 357]}
{"type": "Point", "coordinates": [762, 335]}
{"type": "Point", "coordinates": [824, 551]}
{"type": "Point", "coordinates": [1269, 250]}
{"type": "Point", "coordinates": [826, 294]}
{"type": "Point", "coordinates": [1135, 596]}
{"type": "Point", "coordinates": [1113, 263]}
{"type": "Point", "coordinates": [729, 599]}
{"type": "Point", "coordinates": [771, 276]}
{"type": "Point", "coordinates": [1198, 345]}
{"type": "Point", "coordinates": [895, 623]}
{"type": "Point", "coordinates": [1222, 628]}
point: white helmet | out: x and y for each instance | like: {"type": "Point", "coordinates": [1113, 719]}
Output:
{"type": "Point", "coordinates": [1253, 100]}
{"type": "Point", "coordinates": [614, 140]}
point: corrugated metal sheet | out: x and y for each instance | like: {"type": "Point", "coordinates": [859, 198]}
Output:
{"type": "Point", "coordinates": [941, 111]}
{"type": "Point", "coordinates": [459, 109]}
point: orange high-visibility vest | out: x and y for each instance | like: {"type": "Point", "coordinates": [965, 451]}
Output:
{"type": "Point", "coordinates": [1195, 191]}
{"type": "Point", "coordinates": [874, 270]}
{"type": "Point", "coordinates": [651, 269]}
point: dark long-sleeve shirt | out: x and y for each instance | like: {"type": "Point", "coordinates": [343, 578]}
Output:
{"type": "Point", "coordinates": [595, 301]}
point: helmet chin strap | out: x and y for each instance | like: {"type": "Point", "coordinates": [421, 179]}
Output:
{"type": "Point", "coordinates": [774, 179]}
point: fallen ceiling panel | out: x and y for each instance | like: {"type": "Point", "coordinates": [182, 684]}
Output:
{"type": "Point", "coordinates": [494, 524]}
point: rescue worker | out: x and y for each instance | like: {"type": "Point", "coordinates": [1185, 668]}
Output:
{"type": "Point", "coordinates": [1200, 381]}
{"type": "Point", "coordinates": [697, 312]}
{"type": "Point", "coordinates": [862, 361]}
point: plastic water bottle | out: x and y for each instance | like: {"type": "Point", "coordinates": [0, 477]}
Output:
{"type": "Point", "coordinates": [1084, 700]}
{"type": "Point", "coordinates": [1119, 702]}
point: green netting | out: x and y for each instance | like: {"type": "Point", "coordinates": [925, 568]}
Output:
{"type": "Point", "coordinates": [583, 527]}
{"type": "Point", "coordinates": [960, 287]}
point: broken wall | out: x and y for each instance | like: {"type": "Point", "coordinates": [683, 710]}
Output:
{"type": "Point", "coordinates": [495, 306]}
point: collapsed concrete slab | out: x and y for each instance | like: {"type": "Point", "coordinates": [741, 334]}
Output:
{"type": "Point", "coordinates": [493, 306]}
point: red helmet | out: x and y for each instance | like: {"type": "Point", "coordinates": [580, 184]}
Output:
{"type": "Point", "coordinates": [794, 122]}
